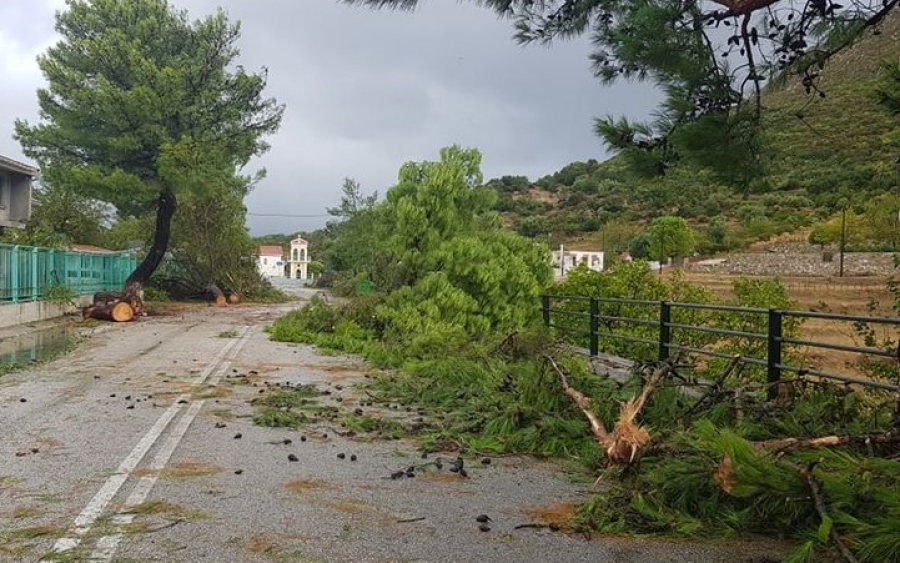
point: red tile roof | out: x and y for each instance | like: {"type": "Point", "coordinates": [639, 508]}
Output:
{"type": "Point", "coordinates": [271, 251]}
{"type": "Point", "coordinates": [90, 248]}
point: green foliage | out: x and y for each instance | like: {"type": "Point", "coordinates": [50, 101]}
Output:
{"type": "Point", "coordinates": [143, 104]}
{"type": "Point", "coordinates": [677, 492]}
{"type": "Point", "coordinates": [436, 249]}
{"type": "Point", "coordinates": [61, 217]}
{"type": "Point", "coordinates": [211, 245]}
{"type": "Point", "coordinates": [129, 233]}
{"type": "Point", "coordinates": [493, 393]}
{"type": "Point", "coordinates": [643, 291]}
{"type": "Point", "coordinates": [509, 184]}
{"type": "Point", "coordinates": [59, 294]}
{"type": "Point", "coordinates": [154, 294]}
{"type": "Point", "coordinates": [888, 91]}
{"type": "Point", "coordinates": [670, 236]}
{"type": "Point", "coordinates": [712, 114]}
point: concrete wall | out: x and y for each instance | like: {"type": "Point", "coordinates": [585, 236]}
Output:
{"type": "Point", "coordinates": [13, 314]}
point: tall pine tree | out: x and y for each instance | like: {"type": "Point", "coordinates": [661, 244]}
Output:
{"type": "Point", "coordinates": [142, 104]}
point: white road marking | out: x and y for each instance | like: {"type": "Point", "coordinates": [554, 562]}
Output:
{"type": "Point", "coordinates": [107, 545]}
{"type": "Point", "coordinates": [101, 500]}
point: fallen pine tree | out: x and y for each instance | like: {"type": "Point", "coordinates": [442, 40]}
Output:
{"type": "Point", "coordinates": [837, 492]}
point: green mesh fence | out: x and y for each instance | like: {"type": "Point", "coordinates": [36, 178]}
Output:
{"type": "Point", "coordinates": [27, 272]}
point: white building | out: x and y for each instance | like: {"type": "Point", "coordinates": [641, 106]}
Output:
{"type": "Point", "coordinates": [271, 261]}
{"type": "Point", "coordinates": [566, 260]}
{"type": "Point", "coordinates": [298, 260]}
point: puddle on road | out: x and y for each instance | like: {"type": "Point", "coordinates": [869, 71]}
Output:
{"type": "Point", "coordinates": [40, 346]}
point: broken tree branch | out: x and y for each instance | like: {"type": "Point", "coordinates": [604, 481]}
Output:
{"type": "Point", "coordinates": [628, 438]}
{"type": "Point", "coordinates": [781, 445]}
{"type": "Point", "coordinates": [819, 501]}
{"type": "Point", "coordinates": [583, 403]}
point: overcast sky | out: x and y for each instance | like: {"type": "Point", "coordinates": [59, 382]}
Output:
{"type": "Point", "coordinates": [369, 90]}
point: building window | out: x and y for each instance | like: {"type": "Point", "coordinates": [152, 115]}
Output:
{"type": "Point", "coordinates": [5, 190]}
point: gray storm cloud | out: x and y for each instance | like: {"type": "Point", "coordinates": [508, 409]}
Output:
{"type": "Point", "coordinates": [368, 90]}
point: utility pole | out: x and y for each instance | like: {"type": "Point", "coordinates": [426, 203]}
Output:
{"type": "Point", "coordinates": [843, 240]}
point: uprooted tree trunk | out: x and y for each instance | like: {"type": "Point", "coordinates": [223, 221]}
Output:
{"type": "Point", "coordinates": [132, 294]}
{"type": "Point", "coordinates": [628, 439]}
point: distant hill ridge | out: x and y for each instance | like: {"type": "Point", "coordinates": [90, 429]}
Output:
{"type": "Point", "coordinates": [819, 151]}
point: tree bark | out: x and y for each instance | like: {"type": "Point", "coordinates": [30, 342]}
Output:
{"type": "Point", "coordinates": [165, 210]}
{"type": "Point", "coordinates": [583, 403]}
{"type": "Point", "coordinates": [819, 502]}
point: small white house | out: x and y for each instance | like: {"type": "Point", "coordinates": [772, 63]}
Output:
{"type": "Point", "coordinates": [298, 261]}
{"type": "Point", "coordinates": [566, 260]}
{"type": "Point", "coordinates": [271, 261]}
{"type": "Point", "coordinates": [15, 192]}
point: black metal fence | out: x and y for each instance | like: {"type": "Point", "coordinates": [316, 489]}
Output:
{"type": "Point", "coordinates": [659, 328]}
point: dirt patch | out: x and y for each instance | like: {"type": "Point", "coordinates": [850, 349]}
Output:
{"type": "Point", "coordinates": [213, 392]}
{"type": "Point", "coordinates": [273, 545]}
{"type": "Point", "coordinates": [560, 513]}
{"type": "Point", "coordinates": [181, 471]}
{"type": "Point", "coordinates": [352, 506]}
{"type": "Point", "coordinates": [335, 372]}
{"type": "Point", "coordinates": [21, 512]}
{"type": "Point", "coordinates": [862, 296]}
{"type": "Point", "coordinates": [306, 485]}
{"type": "Point", "coordinates": [159, 507]}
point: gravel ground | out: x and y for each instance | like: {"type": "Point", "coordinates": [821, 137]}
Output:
{"type": "Point", "coordinates": [798, 259]}
{"type": "Point", "coordinates": [140, 446]}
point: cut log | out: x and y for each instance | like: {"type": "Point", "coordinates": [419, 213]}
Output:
{"type": "Point", "coordinates": [103, 298]}
{"type": "Point", "coordinates": [234, 298]}
{"type": "Point", "coordinates": [218, 294]}
{"type": "Point", "coordinates": [118, 312]}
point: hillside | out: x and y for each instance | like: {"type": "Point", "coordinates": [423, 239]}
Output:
{"type": "Point", "coordinates": [822, 150]}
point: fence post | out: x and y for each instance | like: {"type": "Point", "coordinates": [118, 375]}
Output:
{"type": "Point", "coordinates": [35, 283]}
{"type": "Point", "coordinates": [545, 309]}
{"type": "Point", "coordinates": [14, 273]}
{"type": "Point", "coordinates": [773, 356]}
{"type": "Point", "coordinates": [595, 326]}
{"type": "Point", "coordinates": [665, 331]}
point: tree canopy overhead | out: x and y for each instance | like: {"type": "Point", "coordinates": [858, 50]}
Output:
{"type": "Point", "coordinates": [142, 104]}
{"type": "Point", "coordinates": [711, 59]}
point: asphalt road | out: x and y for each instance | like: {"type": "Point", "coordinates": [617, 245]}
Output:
{"type": "Point", "coordinates": [128, 450]}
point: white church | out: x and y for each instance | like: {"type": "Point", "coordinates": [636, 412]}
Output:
{"type": "Point", "coordinates": [272, 263]}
